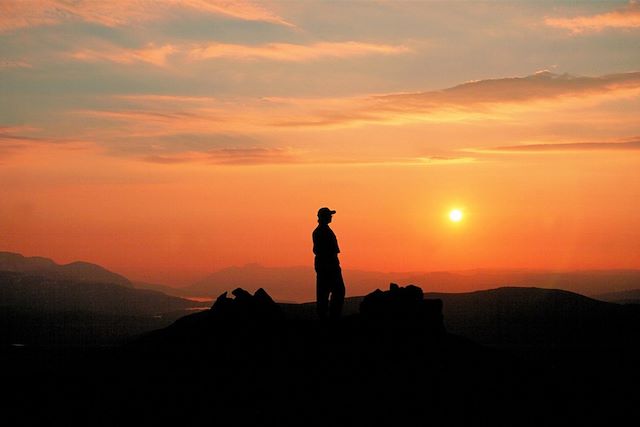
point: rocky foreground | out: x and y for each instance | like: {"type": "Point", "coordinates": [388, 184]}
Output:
{"type": "Point", "coordinates": [245, 361]}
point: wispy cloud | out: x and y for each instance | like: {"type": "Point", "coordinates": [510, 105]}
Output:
{"type": "Point", "coordinates": [279, 156]}
{"type": "Point", "coordinates": [228, 156]}
{"type": "Point", "coordinates": [240, 9]}
{"type": "Point", "coordinates": [541, 85]}
{"type": "Point", "coordinates": [162, 121]}
{"type": "Point", "coordinates": [573, 146]}
{"type": "Point", "coordinates": [288, 52]}
{"type": "Point", "coordinates": [497, 98]}
{"type": "Point", "coordinates": [9, 63]}
{"type": "Point", "coordinates": [16, 138]}
{"type": "Point", "coordinates": [629, 17]}
{"type": "Point", "coordinates": [16, 14]}
{"type": "Point", "coordinates": [155, 55]}
{"type": "Point", "coordinates": [173, 129]}
{"type": "Point", "coordinates": [153, 99]}
{"type": "Point", "coordinates": [293, 52]}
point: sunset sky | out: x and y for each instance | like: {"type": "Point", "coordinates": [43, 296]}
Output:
{"type": "Point", "coordinates": [168, 139]}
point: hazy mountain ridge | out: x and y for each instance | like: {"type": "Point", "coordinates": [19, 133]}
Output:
{"type": "Point", "coordinates": [520, 314]}
{"type": "Point", "coordinates": [165, 289]}
{"type": "Point", "coordinates": [298, 283]}
{"type": "Point", "coordinates": [39, 292]}
{"type": "Point", "coordinates": [43, 310]}
{"type": "Point", "coordinates": [78, 271]}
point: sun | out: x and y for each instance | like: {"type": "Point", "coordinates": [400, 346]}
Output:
{"type": "Point", "coordinates": [455, 215]}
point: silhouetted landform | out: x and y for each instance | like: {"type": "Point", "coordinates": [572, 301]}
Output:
{"type": "Point", "coordinates": [76, 271]}
{"type": "Point", "coordinates": [526, 317]}
{"type": "Point", "coordinates": [539, 317]}
{"type": "Point", "coordinates": [400, 307]}
{"type": "Point", "coordinates": [290, 283]}
{"type": "Point", "coordinates": [248, 361]}
{"type": "Point", "coordinates": [403, 304]}
{"type": "Point", "coordinates": [265, 368]}
{"type": "Point", "coordinates": [44, 310]}
{"type": "Point", "coordinates": [227, 317]}
{"type": "Point", "coordinates": [631, 296]}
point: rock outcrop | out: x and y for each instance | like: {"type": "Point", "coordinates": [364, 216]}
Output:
{"type": "Point", "coordinates": [403, 305]}
{"type": "Point", "coordinates": [244, 307]}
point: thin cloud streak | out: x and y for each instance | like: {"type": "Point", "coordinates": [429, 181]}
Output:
{"type": "Point", "coordinates": [293, 52]}
{"type": "Point", "coordinates": [150, 55]}
{"type": "Point", "coordinates": [279, 156]}
{"type": "Point", "coordinates": [8, 63]}
{"type": "Point", "coordinates": [498, 99]}
{"type": "Point", "coordinates": [628, 17]}
{"type": "Point", "coordinates": [571, 146]}
{"type": "Point", "coordinates": [166, 99]}
{"type": "Point", "coordinates": [541, 85]}
{"type": "Point", "coordinates": [478, 100]}
{"type": "Point", "coordinates": [16, 138]}
{"type": "Point", "coordinates": [286, 52]}
{"type": "Point", "coordinates": [33, 13]}
{"type": "Point", "coordinates": [227, 156]}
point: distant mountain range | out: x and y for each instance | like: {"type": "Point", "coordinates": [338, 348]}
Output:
{"type": "Point", "coordinates": [76, 271]}
{"type": "Point", "coordinates": [46, 308]}
{"type": "Point", "coordinates": [505, 346]}
{"type": "Point", "coordinates": [36, 290]}
{"type": "Point", "coordinates": [283, 283]}
{"type": "Point", "coordinates": [43, 293]}
{"type": "Point", "coordinates": [298, 283]}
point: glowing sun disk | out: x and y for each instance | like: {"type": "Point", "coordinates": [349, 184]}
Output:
{"type": "Point", "coordinates": [455, 215]}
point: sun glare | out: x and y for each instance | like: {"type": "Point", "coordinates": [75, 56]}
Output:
{"type": "Point", "coordinates": [455, 215]}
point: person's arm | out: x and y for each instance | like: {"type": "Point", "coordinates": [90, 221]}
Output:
{"type": "Point", "coordinates": [335, 249]}
{"type": "Point", "coordinates": [315, 242]}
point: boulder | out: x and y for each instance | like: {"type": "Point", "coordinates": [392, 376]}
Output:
{"type": "Point", "coordinates": [403, 304]}
{"type": "Point", "coordinates": [244, 307]}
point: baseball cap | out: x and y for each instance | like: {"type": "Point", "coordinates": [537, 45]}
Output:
{"type": "Point", "coordinates": [325, 212]}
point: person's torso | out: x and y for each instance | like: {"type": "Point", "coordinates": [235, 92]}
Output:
{"type": "Point", "coordinates": [325, 243]}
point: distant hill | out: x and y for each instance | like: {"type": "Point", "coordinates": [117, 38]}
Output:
{"type": "Point", "coordinates": [623, 297]}
{"type": "Point", "coordinates": [38, 292]}
{"type": "Point", "coordinates": [298, 283]}
{"type": "Point", "coordinates": [169, 290]}
{"type": "Point", "coordinates": [585, 282]}
{"type": "Point", "coordinates": [515, 316]}
{"type": "Point", "coordinates": [76, 271]}
{"type": "Point", "coordinates": [291, 283]}
{"type": "Point", "coordinates": [38, 309]}
{"type": "Point", "coordinates": [522, 317]}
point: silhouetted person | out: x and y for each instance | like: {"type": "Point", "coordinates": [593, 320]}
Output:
{"type": "Point", "coordinates": [329, 284]}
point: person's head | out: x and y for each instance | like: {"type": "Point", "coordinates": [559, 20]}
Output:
{"type": "Point", "coordinates": [325, 215]}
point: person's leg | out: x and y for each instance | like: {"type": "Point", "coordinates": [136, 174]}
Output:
{"type": "Point", "coordinates": [322, 294]}
{"type": "Point", "coordinates": [337, 295]}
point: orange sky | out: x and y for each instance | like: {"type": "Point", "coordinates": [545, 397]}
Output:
{"type": "Point", "coordinates": [165, 146]}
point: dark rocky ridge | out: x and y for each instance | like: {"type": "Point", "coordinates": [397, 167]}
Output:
{"type": "Point", "coordinates": [246, 361]}
{"type": "Point", "coordinates": [404, 310]}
